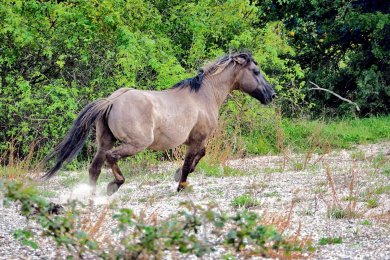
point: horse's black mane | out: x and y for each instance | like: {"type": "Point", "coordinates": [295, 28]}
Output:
{"type": "Point", "coordinates": [195, 83]}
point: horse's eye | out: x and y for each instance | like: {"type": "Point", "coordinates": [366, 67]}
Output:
{"type": "Point", "coordinates": [256, 72]}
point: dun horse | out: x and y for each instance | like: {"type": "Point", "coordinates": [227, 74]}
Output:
{"type": "Point", "coordinates": [159, 120]}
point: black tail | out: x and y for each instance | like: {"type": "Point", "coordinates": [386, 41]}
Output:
{"type": "Point", "coordinates": [75, 139]}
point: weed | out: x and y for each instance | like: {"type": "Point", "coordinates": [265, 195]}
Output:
{"type": "Point", "coordinates": [330, 240]}
{"type": "Point", "coordinates": [350, 198]}
{"type": "Point", "coordinates": [386, 170]}
{"type": "Point", "coordinates": [358, 155]}
{"type": "Point", "coordinates": [385, 189]}
{"type": "Point", "coordinates": [337, 213]}
{"type": "Point", "coordinates": [298, 166]}
{"type": "Point", "coordinates": [210, 169]}
{"type": "Point", "coordinates": [16, 168]}
{"type": "Point", "coordinates": [271, 194]}
{"type": "Point", "coordinates": [366, 222]}
{"type": "Point", "coordinates": [245, 200]}
{"type": "Point", "coordinates": [372, 203]}
{"type": "Point", "coordinates": [228, 256]}
{"type": "Point", "coordinates": [269, 170]}
{"type": "Point", "coordinates": [306, 212]}
{"type": "Point", "coordinates": [48, 193]}
{"type": "Point", "coordinates": [217, 170]}
{"type": "Point", "coordinates": [340, 213]}
{"type": "Point", "coordinates": [335, 208]}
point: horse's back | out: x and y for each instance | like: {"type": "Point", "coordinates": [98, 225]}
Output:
{"type": "Point", "coordinates": [158, 119]}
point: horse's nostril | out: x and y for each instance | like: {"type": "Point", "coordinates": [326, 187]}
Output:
{"type": "Point", "coordinates": [273, 95]}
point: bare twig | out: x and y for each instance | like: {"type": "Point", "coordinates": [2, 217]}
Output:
{"type": "Point", "coordinates": [337, 95]}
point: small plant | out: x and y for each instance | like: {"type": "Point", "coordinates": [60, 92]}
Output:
{"type": "Point", "coordinates": [358, 155]}
{"type": "Point", "coordinates": [337, 213]}
{"type": "Point", "coordinates": [213, 169]}
{"type": "Point", "coordinates": [386, 170]}
{"type": "Point", "coordinates": [210, 169]}
{"type": "Point", "coordinates": [349, 198]}
{"type": "Point", "coordinates": [298, 166]}
{"type": "Point", "coordinates": [366, 222]}
{"type": "Point", "coordinates": [385, 189]}
{"type": "Point", "coordinates": [372, 203]}
{"type": "Point", "coordinates": [245, 200]}
{"type": "Point", "coordinates": [269, 170]}
{"type": "Point", "coordinates": [306, 212]}
{"type": "Point", "coordinates": [330, 240]}
{"type": "Point", "coordinates": [271, 194]}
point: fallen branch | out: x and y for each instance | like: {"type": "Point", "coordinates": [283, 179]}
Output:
{"type": "Point", "coordinates": [337, 95]}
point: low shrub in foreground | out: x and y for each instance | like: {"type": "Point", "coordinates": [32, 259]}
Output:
{"type": "Point", "coordinates": [192, 231]}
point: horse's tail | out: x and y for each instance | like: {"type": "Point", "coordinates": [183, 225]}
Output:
{"type": "Point", "coordinates": [77, 135]}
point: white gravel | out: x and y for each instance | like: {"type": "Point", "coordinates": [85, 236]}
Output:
{"type": "Point", "coordinates": [280, 183]}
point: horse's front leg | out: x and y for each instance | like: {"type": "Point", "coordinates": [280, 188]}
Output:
{"type": "Point", "coordinates": [192, 158]}
{"type": "Point", "coordinates": [195, 162]}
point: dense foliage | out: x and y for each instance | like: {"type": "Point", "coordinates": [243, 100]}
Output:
{"type": "Point", "coordinates": [342, 46]}
{"type": "Point", "coordinates": [56, 56]}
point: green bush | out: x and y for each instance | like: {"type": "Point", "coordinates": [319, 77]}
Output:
{"type": "Point", "coordinates": [57, 57]}
{"type": "Point", "coordinates": [341, 46]}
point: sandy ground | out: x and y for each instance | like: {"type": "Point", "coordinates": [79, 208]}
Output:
{"type": "Point", "coordinates": [287, 185]}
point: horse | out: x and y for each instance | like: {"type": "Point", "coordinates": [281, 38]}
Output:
{"type": "Point", "coordinates": [186, 113]}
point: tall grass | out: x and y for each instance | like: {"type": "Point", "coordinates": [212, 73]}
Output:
{"type": "Point", "coordinates": [299, 134]}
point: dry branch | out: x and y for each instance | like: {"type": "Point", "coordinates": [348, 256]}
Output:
{"type": "Point", "coordinates": [337, 95]}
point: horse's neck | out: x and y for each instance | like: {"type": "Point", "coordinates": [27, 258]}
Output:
{"type": "Point", "coordinates": [217, 88]}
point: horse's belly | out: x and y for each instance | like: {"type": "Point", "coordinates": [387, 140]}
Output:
{"type": "Point", "coordinates": [168, 140]}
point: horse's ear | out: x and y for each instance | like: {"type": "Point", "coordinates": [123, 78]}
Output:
{"type": "Point", "coordinates": [239, 59]}
{"type": "Point", "coordinates": [242, 59]}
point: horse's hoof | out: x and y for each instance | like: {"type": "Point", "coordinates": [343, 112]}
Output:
{"type": "Point", "coordinates": [112, 187]}
{"type": "Point", "coordinates": [182, 186]}
{"type": "Point", "coordinates": [177, 175]}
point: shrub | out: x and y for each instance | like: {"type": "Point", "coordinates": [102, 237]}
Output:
{"type": "Point", "coordinates": [193, 231]}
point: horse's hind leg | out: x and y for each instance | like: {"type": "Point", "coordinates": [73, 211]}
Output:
{"type": "Point", "coordinates": [113, 186]}
{"type": "Point", "coordinates": [122, 151]}
{"type": "Point", "coordinates": [105, 141]}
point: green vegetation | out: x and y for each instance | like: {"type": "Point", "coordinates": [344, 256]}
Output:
{"type": "Point", "coordinates": [56, 57]}
{"type": "Point", "coordinates": [241, 232]}
{"type": "Point", "coordinates": [303, 135]}
{"type": "Point", "coordinates": [215, 169]}
{"type": "Point", "coordinates": [341, 46]}
{"type": "Point", "coordinates": [330, 241]}
{"type": "Point", "coordinates": [245, 201]}
{"type": "Point", "coordinates": [372, 203]}
{"type": "Point", "coordinates": [384, 189]}
{"type": "Point", "coordinates": [337, 213]}
{"type": "Point", "coordinates": [366, 222]}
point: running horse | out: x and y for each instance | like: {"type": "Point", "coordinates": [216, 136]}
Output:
{"type": "Point", "coordinates": [159, 120]}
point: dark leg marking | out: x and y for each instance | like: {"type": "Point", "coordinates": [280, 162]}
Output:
{"type": "Point", "coordinates": [189, 165]}
{"type": "Point", "coordinates": [185, 170]}
{"type": "Point", "coordinates": [195, 162]}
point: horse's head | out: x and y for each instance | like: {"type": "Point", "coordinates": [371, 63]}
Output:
{"type": "Point", "coordinates": [250, 80]}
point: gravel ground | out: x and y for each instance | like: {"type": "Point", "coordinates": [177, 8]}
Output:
{"type": "Point", "coordinates": [284, 186]}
